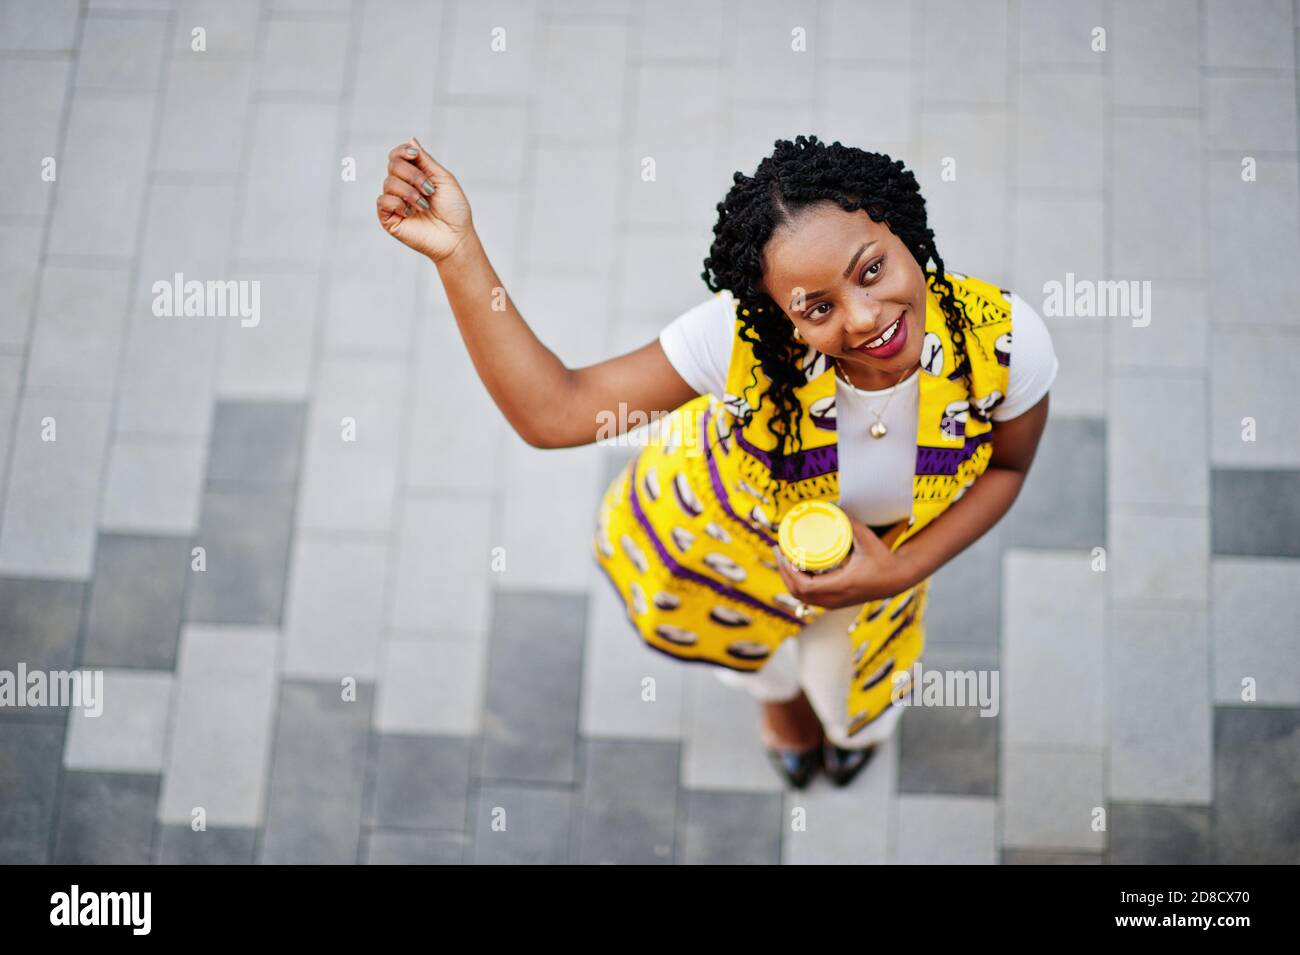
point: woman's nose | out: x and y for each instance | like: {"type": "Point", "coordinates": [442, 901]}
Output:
{"type": "Point", "coordinates": [865, 317]}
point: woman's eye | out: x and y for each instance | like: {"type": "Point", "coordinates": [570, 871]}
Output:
{"type": "Point", "coordinates": [874, 268]}
{"type": "Point", "coordinates": [814, 314]}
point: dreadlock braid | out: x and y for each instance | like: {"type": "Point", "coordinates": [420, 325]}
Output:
{"type": "Point", "coordinates": [797, 175]}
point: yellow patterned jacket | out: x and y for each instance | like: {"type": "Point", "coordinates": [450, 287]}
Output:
{"type": "Point", "coordinates": [685, 531]}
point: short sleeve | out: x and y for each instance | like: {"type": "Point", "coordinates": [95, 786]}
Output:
{"type": "Point", "coordinates": [1033, 362]}
{"type": "Point", "coordinates": [698, 344]}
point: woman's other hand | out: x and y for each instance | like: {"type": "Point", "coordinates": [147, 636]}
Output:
{"type": "Point", "coordinates": [872, 572]}
{"type": "Point", "coordinates": [422, 203]}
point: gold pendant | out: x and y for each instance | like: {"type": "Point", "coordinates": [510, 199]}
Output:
{"type": "Point", "coordinates": [878, 430]}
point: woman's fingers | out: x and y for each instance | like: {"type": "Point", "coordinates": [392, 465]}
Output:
{"type": "Point", "coordinates": [406, 192]}
{"type": "Point", "coordinates": [391, 211]}
{"type": "Point", "coordinates": [409, 174]}
{"type": "Point", "coordinates": [426, 163]}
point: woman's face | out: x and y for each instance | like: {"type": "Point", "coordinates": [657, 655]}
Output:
{"type": "Point", "coordinates": [856, 280]}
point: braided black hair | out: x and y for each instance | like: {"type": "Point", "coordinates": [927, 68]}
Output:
{"type": "Point", "coordinates": [797, 175]}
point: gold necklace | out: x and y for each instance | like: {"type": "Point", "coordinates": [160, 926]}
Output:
{"type": "Point", "coordinates": [878, 430]}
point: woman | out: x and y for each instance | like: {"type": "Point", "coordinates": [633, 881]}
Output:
{"type": "Point", "coordinates": [830, 364]}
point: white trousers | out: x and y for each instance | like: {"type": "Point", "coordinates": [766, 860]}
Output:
{"type": "Point", "coordinates": [819, 660]}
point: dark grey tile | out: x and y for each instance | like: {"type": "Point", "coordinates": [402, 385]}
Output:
{"type": "Point", "coordinates": [39, 624]}
{"type": "Point", "coordinates": [522, 825]}
{"type": "Point", "coordinates": [317, 775]}
{"type": "Point", "coordinates": [31, 756]}
{"type": "Point", "coordinates": [396, 847]}
{"type": "Point", "coordinates": [256, 442]}
{"type": "Point", "coordinates": [948, 750]}
{"type": "Point", "coordinates": [629, 801]}
{"type": "Point", "coordinates": [1255, 513]}
{"type": "Point", "coordinates": [533, 686]}
{"type": "Point", "coordinates": [246, 538]}
{"type": "Point", "coordinates": [1255, 818]}
{"type": "Point", "coordinates": [1047, 857]}
{"type": "Point", "coordinates": [106, 818]}
{"type": "Point", "coordinates": [420, 782]}
{"type": "Point", "coordinates": [730, 828]}
{"type": "Point", "coordinates": [1156, 834]}
{"type": "Point", "coordinates": [181, 845]}
{"type": "Point", "coordinates": [136, 598]}
{"type": "Point", "coordinates": [1062, 503]}
{"type": "Point", "coordinates": [964, 605]}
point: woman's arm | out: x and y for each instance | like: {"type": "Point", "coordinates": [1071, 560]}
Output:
{"type": "Point", "coordinates": [548, 404]}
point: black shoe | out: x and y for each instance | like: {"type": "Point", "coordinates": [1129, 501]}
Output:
{"type": "Point", "coordinates": [796, 767]}
{"type": "Point", "coordinates": [843, 764]}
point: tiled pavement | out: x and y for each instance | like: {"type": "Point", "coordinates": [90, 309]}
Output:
{"type": "Point", "coordinates": [398, 648]}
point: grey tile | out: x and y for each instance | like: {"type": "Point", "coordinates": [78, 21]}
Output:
{"type": "Point", "coordinates": [1253, 630]}
{"type": "Point", "coordinates": [1061, 122]}
{"type": "Point", "coordinates": [106, 819]}
{"type": "Point", "coordinates": [845, 825]}
{"type": "Point", "coordinates": [134, 616]}
{"type": "Point", "coordinates": [521, 825]}
{"type": "Point", "coordinates": [32, 94]}
{"type": "Point", "coordinates": [39, 26]}
{"type": "Point", "coordinates": [388, 87]}
{"type": "Point", "coordinates": [1157, 214]}
{"type": "Point", "coordinates": [304, 56]}
{"type": "Point", "coordinates": [1150, 834]}
{"type": "Point", "coordinates": [30, 757]}
{"type": "Point", "coordinates": [40, 621]}
{"type": "Point", "coordinates": [232, 27]}
{"type": "Point", "coordinates": [1157, 62]}
{"type": "Point", "coordinates": [431, 686]}
{"type": "Point", "coordinates": [946, 830]}
{"type": "Point", "coordinates": [256, 443]}
{"type": "Point", "coordinates": [430, 576]}
{"type": "Point", "coordinates": [474, 68]}
{"type": "Point", "coordinates": [129, 734]}
{"type": "Point", "coordinates": [1255, 819]}
{"type": "Point", "coordinates": [1036, 857]}
{"type": "Point", "coordinates": [1255, 513]}
{"type": "Point", "coordinates": [729, 828]}
{"type": "Point", "coordinates": [123, 54]}
{"type": "Point", "coordinates": [216, 845]}
{"type": "Point", "coordinates": [952, 31]}
{"type": "Point", "coordinates": [1050, 797]}
{"type": "Point", "coordinates": [1062, 503]}
{"type": "Point", "coordinates": [1250, 114]}
{"type": "Point", "coordinates": [948, 750]}
{"type": "Point", "coordinates": [415, 848]}
{"type": "Point", "coordinates": [246, 538]}
{"type": "Point", "coordinates": [205, 107]}
{"type": "Point", "coordinates": [1257, 33]}
{"type": "Point", "coordinates": [1248, 379]}
{"type": "Point", "coordinates": [1158, 556]}
{"type": "Point", "coordinates": [153, 486]}
{"type": "Point", "coordinates": [1056, 33]}
{"type": "Point", "coordinates": [315, 809]}
{"type": "Point", "coordinates": [78, 332]}
{"type": "Point", "coordinates": [1148, 462]}
{"type": "Point", "coordinates": [580, 82]}
{"type": "Point", "coordinates": [20, 268]}
{"type": "Point", "coordinates": [766, 67]}
{"type": "Point", "coordinates": [964, 605]}
{"type": "Point", "coordinates": [533, 684]}
{"type": "Point", "coordinates": [419, 783]}
{"type": "Point", "coordinates": [629, 802]}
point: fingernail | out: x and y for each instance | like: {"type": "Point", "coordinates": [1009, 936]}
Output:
{"type": "Point", "coordinates": [412, 151]}
{"type": "Point", "coordinates": [426, 187]}
{"type": "Point", "coordinates": [406, 210]}
{"type": "Point", "coordinates": [424, 203]}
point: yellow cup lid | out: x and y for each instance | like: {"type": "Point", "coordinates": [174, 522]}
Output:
{"type": "Point", "coordinates": [815, 535]}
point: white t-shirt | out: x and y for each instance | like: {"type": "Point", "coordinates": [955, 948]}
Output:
{"type": "Point", "coordinates": [875, 473]}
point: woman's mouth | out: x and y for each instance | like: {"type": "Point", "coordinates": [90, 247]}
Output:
{"type": "Point", "coordinates": [890, 342]}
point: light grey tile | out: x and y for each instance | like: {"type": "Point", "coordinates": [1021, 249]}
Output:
{"type": "Point", "coordinates": [572, 221]}
{"type": "Point", "coordinates": [334, 608]}
{"type": "Point", "coordinates": [517, 825]}
{"type": "Point", "coordinates": [1250, 113]}
{"type": "Point", "coordinates": [849, 825]}
{"type": "Point", "coordinates": [1155, 46]}
{"type": "Point", "coordinates": [1158, 557]}
{"type": "Point", "coordinates": [1253, 630]}
{"type": "Point", "coordinates": [20, 269]}
{"type": "Point", "coordinates": [442, 565]}
{"type": "Point", "coordinates": [1257, 33]}
{"type": "Point", "coordinates": [230, 27]}
{"type": "Point", "coordinates": [172, 243]}
{"type": "Point", "coordinates": [688, 180]}
{"type": "Point", "coordinates": [865, 106]}
{"type": "Point", "coordinates": [32, 94]}
{"type": "Point", "coordinates": [350, 474]}
{"type": "Point", "coordinates": [153, 486]}
{"type": "Point", "coordinates": [493, 48]}
{"type": "Point", "coordinates": [1058, 33]}
{"type": "Point", "coordinates": [46, 26]}
{"type": "Point", "coordinates": [662, 37]}
{"type": "Point", "coordinates": [304, 56]}
{"type": "Point", "coordinates": [107, 142]}
{"type": "Point", "coordinates": [1062, 503]}
{"type": "Point", "coordinates": [1254, 242]}
{"type": "Point", "coordinates": [1156, 449]}
{"type": "Point", "coordinates": [1051, 797]}
{"type": "Point", "coordinates": [1247, 378]}
{"type": "Point", "coordinates": [775, 53]}
{"type": "Point", "coordinates": [49, 510]}
{"type": "Point", "coordinates": [721, 747]}
{"type": "Point", "coordinates": [273, 359]}
{"type": "Point", "coordinates": [677, 102]}
{"type": "Point", "coordinates": [947, 830]}
{"type": "Point", "coordinates": [481, 142]}
{"type": "Point", "coordinates": [1177, 335]}
{"type": "Point", "coordinates": [129, 734]}
{"type": "Point", "coordinates": [219, 754]}
{"type": "Point", "coordinates": [965, 51]}
{"type": "Point", "coordinates": [78, 332]}
{"type": "Point", "coordinates": [1081, 346]}
{"type": "Point", "coordinates": [629, 802]}
{"type": "Point", "coordinates": [371, 300]}
{"type": "Point", "coordinates": [1060, 133]}
{"type": "Point", "coordinates": [391, 95]}
{"type": "Point", "coordinates": [11, 370]}
{"type": "Point", "coordinates": [415, 848]}
{"type": "Point", "coordinates": [431, 687]}
{"type": "Point", "coordinates": [1158, 214]}
{"type": "Point", "coordinates": [581, 80]}
{"type": "Point", "coordinates": [122, 54]}
{"type": "Point", "coordinates": [1054, 236]}
{"type": "Point", "coordinates": [654, 286]}
{"type": "Point", "coordinates": [1160, 721]}
{"type": "Point", "coordinates": [205, 109]}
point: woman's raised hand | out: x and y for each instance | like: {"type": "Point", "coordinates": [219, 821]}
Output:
{"type": "Point", "coordinates": [422, 203]}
